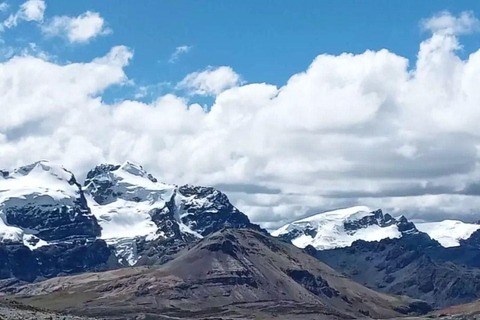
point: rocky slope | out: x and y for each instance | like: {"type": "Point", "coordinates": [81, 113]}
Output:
{"type": "Point", "coordinates": [229, 274]}
{"type": "Point", "coordinates": [413, 265]}
{"type": "Point", "coordinates": [10, 310]}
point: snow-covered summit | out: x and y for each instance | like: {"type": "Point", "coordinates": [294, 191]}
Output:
{"type": "Point", "coordinates": [39, 179]}
{"type": "Point", "coordinates": [43, 202]}
{"type": "Point", "coordinates": [130, 204]}
{"type": "Point", "coordinates": [123, 198]}
{"type": "Point", "coordinates": [340, 228]}
{"type": "Point", "coordinates": [448, 232]}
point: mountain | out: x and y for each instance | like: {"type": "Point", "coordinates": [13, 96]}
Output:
{"type": "Point", "coordinates": [413, 265]}
{"type": "Point", "coordinates": [50, 225]}
{"type": "Point", "coordinates": [46, 226]}
{"type": "Point", "coordinates": [448, 233]}
{"type": "Point", "coordinates": [340, 228]}
{"type": "Point", "coordinates": [138, 214]}
{"type": "Point", "coordinates": [437, 262]}
{"type": "Point", "coordinates": [42, 203]}
{"type": "Point", "coordinates": [233, 273]}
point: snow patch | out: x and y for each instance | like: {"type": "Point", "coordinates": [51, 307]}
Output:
{"type": "Point", "coordinates": [9, 234]}
{"type": "Point", "coordinates": [448, 232]}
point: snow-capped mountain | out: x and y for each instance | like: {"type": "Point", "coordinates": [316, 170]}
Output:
{"type": "Point", "coordinates": [41, 203]}
{"type": "Point", "coordinates": [448, 233]}
{"type": "Point", "coordinates": [50, 225]}
{"type": "Point", "coordinates": [131, 205]}
{"type": "Point", "coordinates": [46, 226]}
{"type": "Point", "coordinates": [340, 228]}
{"type": "Point", "coordinates": [123, 198]}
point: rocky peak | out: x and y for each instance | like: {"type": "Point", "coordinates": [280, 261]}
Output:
{"type": "Point", "coordinates": [136, 170]}
{"type": "Point", "coordinates": [107, 182]}
{"type": "Point", "coordinates": [206, 210]}
{"type": "Point", "coordinates": [375, 218]}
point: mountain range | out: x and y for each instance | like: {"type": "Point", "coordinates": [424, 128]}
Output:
{"type": "Point", "coordinates": [124, 243]}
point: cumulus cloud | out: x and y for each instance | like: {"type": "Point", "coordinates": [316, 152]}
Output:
{"type": "Point", "coordinates": [178, 52]}
{"type": "Point", "coordinates": [211, 81]}
{"type": "Point", "coordinates": [79, 29]}
{"type": "Point", "coordinates": [32, 10]}
{"type": "Point", "coordinates": [465, 22]}
{"type": "Point", "coordinates": [370, 128]}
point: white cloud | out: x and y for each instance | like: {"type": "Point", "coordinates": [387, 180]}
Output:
{"type": "Point", "coordinates": [351, 129]}
{"type": "Point", "coordinates": [211, 81]}
{"type": "Point", "coordinates": [178, 52]}
{"type": "Point", "coordinates": [4, 6]}
{"type": "Point", "coordinates": [42, 92]}
{"type": "Point", "coordinates": [466, 22]}
{"type": "Point", "coordinates": [408, 151]}
{"type": "Point", "coordinates": [32, 10]}
{"type": "Point", "coordinates": [79, 29]}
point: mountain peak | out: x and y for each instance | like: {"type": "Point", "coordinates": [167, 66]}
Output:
{"type": "Point", "coordinates": [448, 233]}
{"type": "Point", "coordinates": [340, 228]}
{"type": "Point", "coordinates": [39, 168]}
{"type": "Point", "coordinates": [43, 199]}
{"type": "Point", "coordinates": [41, 178]}
{"type": "Point", "coordinates": [133, 168]}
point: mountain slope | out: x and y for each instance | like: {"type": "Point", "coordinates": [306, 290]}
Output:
{"type": "Point", "coordinates": [9, 310]}
{"type": "Point", "coordinates": [413, 265]}
{"type": "Point", "coordinates": [231, 273]}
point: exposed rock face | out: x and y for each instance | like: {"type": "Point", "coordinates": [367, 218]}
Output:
{"type": "Point", "coordinates": [206, 210]}
{"type": "Point", "coordinates": [233, 273]}
{"type": "Point", "coordinates": [19, 262]}
{"type": "Point", "coordinates": [413, 265]}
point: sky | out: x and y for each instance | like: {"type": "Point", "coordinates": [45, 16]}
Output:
{"type": "Point", "coordinates": [290, 109]}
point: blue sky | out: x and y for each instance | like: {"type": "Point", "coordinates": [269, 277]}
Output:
{"type": "Point", "coordinates": [291, 108]}
{"type": "Point", "coordinates": [263, 41]}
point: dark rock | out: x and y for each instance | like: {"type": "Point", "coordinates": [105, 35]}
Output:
{"type": "Point", "coordinates": [314, 284]}
{"type": "Point", "coordinates": [413, 265]}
